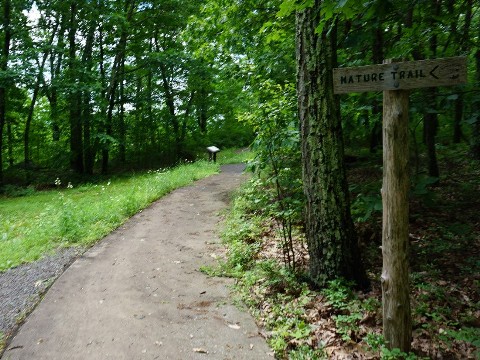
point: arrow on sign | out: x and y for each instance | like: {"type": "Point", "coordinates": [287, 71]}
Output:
{"type": "Point", "coordinates": [431, 72]}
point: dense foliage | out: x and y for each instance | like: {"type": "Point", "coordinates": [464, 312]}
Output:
{"type": "Point", "coordinates": [88, 84]}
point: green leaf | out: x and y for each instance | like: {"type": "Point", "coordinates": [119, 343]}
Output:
{"type": "Point", "coordinates": [286, 8]}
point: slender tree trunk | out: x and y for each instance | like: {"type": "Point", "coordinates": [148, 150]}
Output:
{"type": "Point", "coordinates": [431, 118]}
{"type": "Point", "coordinates": [430, 124]}
{"type": "Point", "coordinates": [10, 142]}
{"type": "Point", "coordinates": [140, 116]}
{"type": "Point", "coordinates": [154, 139]}
{"type": "Point", "coordinates": [114, 81]}
{"type": "Point", "coordinates": [76, 132]}
{"type": "Point", "coordinates": [170, 101]}
{"type": "Point", "coordinates": [203, 112]}
{"type": "Point", "coordinates": [475, 147]}
{"type": "Point", "coordinates": [86, 108]}
{"type": "Point", "coordinates": [376, 132]}
{"type": "Point", "coordinates": [4, 67]}
{"type": "Point", "coordinates": [457, 120]}
{"type": "Point", "coordinates": [464, 48]}
{"type": "Point", "coordinates": [26, 134]}
{"type": "Point", "coordinates": [31, 109]}
{"type": "Point", "coordinates": [55, 70]}
{"type": "Point", "coordinates": [331, 237]}
{"type": "Point", "coordinates": [122, 130]}
{"type": "Point", "coordinates": [103, 108]}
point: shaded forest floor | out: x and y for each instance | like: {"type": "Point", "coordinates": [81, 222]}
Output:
{"type": "Point", "coordinates": [340, 323]}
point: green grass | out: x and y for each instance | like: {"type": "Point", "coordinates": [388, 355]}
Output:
{"type": "Point", "coordinates": [34, 225]}
{"type": "Point", "coordinates": [234, 156]}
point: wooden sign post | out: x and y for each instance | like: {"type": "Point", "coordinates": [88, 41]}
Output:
{"type": "Point", "coordinates": [395, 79]}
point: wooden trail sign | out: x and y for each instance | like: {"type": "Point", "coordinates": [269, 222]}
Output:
{"type": "Point", "coordinates": [395, 79]}
{"type": "Point", "coordinates": [401, 75]}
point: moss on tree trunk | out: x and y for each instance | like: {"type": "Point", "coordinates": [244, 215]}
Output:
{"type": "Point", "coordinates": [330, 233]}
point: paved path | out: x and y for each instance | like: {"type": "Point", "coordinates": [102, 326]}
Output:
{"type": "Point", "coordinates": [139, 295]}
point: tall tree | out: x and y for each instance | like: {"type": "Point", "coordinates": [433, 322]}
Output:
{"type": "Point", "coordinates": [431, 115]}
{"type": "Point", "coordinates": [4, 55]}
{"type": "Point", "coordinates": [331, 237]}
{"type": "Point", "coordinates": [76, 130]}
{"type": "Point", "coordinates": [475, 146]}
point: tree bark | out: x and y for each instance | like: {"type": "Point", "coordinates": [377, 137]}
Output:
{"type": "Point", "coordinates": [10, 142]}
{"type": "Point", "coordinates": [330, 233]}
{"type": "Point", "coordinates": [86, 108]}
{"type": "Point", "coordinates": [377, 51]}
{"type": "Point", "coordinates": [397, 326]}
{"type": "Point", "coordinates": [55, 70]}
{"type": "Point", "coordinates": [475, 147]}
{"type": "Point", "coordinates": [431, 118]}
{"type": "Point", "coordinates": [122, 129]}
{"type": "Point", "coordinates": [4, 67]}
{"type": "Point", "coordinates": [76, 140]}
{"type": "Point", "coordinates": [464, 48]}
{"type": "Point", "coordinates": [114, 81]}
{"type": "Point", "coordinates": [31, 109]}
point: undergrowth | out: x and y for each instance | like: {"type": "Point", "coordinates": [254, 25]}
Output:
{"type": "Point", "coordinates": [301, 322]}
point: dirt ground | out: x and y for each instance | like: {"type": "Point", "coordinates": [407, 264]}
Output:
{"type": "Point", "coordinates": [139, 293]}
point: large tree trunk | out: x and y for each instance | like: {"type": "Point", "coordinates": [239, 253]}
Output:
{"type": "Point", "coordinates": [3, 67]}
{"type": "Point", "coordinates": [330, 233]}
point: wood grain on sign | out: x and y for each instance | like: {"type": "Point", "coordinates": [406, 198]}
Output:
{"type": "Point", "coordinates": [401, 75]}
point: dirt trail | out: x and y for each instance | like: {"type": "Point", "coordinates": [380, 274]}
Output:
{"type": "Point", "coordinates": [139, 295]}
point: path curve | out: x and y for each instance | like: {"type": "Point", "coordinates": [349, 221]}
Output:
{"type": "Point", "coordinates": [139, 294]}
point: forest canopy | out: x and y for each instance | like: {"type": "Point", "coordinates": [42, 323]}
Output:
{"type": "Point", "coordinates": [88, 84]}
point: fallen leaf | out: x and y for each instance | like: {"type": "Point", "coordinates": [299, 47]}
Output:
{"type": "Point", "coordinates": [234, 326]}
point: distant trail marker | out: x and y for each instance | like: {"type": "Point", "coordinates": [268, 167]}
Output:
{"type": "Point", "coordinates": [395, 79]}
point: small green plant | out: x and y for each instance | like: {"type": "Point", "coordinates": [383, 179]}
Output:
{"type": "Point", "coordinates": [467, 334]}
{"type": "Point", "coordinates": [305, 352]}
{"type": "Point", "coordinates": [396, 354]}
{"type": "Point", "coordinates": [32, 226]}
{"type": "Point", "coordinates": [375, 342]}
{"type": "Point", "coordinates": [364, 205]}
{"type": "Point", "coordinates": [2, 342]}
{"type": "Point", "coordinates": [338, 293]}
{"type": "Point", "coordinates": [347, 324]}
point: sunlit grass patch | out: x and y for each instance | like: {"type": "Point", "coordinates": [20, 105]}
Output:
{"type": "Point", "coordinates": [34, 225]}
